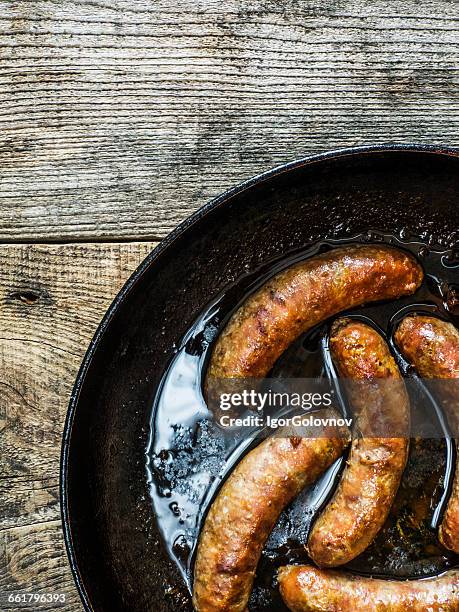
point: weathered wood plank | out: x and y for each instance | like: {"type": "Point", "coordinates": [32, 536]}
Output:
{"type": "Point", "coordinates": [118, 119]}
{"type": "Point", "coordinates": [33, 561]}
{"type": "Point", "coordinates": [25, 502]}
{"type": "Point", "coordinates": [52, 298]}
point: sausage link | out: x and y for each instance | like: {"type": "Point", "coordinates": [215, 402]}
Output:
{"type": "Point", "coordinates": [245, 512]}
{"type": "Point", "coordinates": [302, 296]}
{"type": "Point", "coordinates": [432, 347]}
{"type": "Point", "coordinates": [308, 589]}
{"type": "Point", "coordinates": [267, 479]}
{"type": "Point", "coordinates": [371, 478]}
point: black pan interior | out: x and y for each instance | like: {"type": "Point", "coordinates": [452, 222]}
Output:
{"type": "Point", "coordinates": [114, 545]}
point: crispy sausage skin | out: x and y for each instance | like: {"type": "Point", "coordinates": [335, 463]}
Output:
{"type": "Point", "coordinates": [302, 296]}
{"type": "Point", "coordinates": [245, 512]}
{"type": "Point", "coordinates": [371, 478]}
{"type": "Point", "coordinates": [432, 346]}
{"type": "Point", "coordinates": [268, 478]}
{"type": "Point", "coordinates": [308, 589]}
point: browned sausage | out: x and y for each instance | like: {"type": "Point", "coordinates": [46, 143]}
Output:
{"type": "Point", "coordinates": [308, 589]}
{"type": "Point", "coordinates": [432, 346]}
{"type": "Point", "coordinates": [302, 296]}
{"type": "Point", "coordinates": [247, 507]}
{"type": "Point", "coordinates": [245, 512]}
{"type": "Point", "coordinates": [373, 472]}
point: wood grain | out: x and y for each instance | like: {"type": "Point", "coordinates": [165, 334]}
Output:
{"type": "Point", "coordinates": [33, 561]}
{"type": "Point", "coordinates": [120, 118]}
{"type": "Point", "coordinates": [52, 298]}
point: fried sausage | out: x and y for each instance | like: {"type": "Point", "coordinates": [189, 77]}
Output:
{"type": "Point", "coordinates": [371, 478]}
{"type": "Point", "coordinates": [268, 478]}
{"type": "Point", "coordinates": [245, 512]}
{"type": "Point", "coordinates": [308, 589]}
{"type": "Point", "coordinates": [302, 296]}
{"type": "Point", "coordinates": [432, 346]}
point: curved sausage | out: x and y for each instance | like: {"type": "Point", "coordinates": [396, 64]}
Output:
{"type": "Point", "coordinates": [308, 589]}
{"type": "Point", "coordinates": [268, 478]}
{"type": "Point", "coordinates": [302, 296]}
{"type": "Point", "coordinates": [432, 346]}
{"type": "Point", "coordinates": [371, 478]}
{"type": "Point", "coordinates": [245, 512]}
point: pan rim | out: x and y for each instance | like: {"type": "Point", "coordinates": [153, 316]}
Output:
{"type": "Point", "coordinates": [162, 247]}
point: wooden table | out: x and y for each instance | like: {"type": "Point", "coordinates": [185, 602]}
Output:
{"type": "Point", "coordinates": [118, 119]}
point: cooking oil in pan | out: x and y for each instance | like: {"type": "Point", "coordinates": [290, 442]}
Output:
{"type": "Point", "coordinates": [189, 457]}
